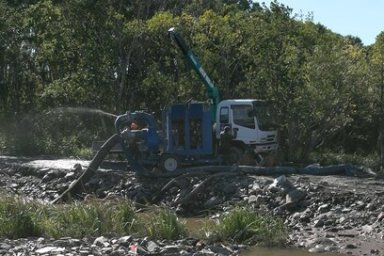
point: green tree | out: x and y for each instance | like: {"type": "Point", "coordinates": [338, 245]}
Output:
{"type": "Point", "coordinates": [377, 87]}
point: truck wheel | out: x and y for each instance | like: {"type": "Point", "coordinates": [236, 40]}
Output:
{"type": "Point", "coordinates": [234, 155]}
{"type": "Point", "coordinates": [169, 163]}
{"type": "Point", "coordinates": [270, 159]}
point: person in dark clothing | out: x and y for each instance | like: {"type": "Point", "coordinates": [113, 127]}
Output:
{"type": "Point", "coordinates": [225, 140]}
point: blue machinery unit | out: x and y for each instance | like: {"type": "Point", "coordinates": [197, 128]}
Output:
{"type": "Point", "coordinates": [186, 138]}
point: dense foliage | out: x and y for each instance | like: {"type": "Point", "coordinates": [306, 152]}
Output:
{"type": "Point", "coordinates": [115, 55]}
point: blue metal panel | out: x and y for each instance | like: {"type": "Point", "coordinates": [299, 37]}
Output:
{"type": "Point", "coordinates": [188, 129]}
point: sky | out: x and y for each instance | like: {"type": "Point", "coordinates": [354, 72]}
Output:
{"type": "Point", "coordinates": [360, 18]}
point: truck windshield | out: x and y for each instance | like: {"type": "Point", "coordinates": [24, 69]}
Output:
{"type": "Point", "coordinates": [264, 116]}
{"type": "Point", "coordinates": [242, 115]}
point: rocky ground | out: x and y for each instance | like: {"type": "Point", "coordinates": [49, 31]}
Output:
{"type": "Point", "coordinates": [342, 214]}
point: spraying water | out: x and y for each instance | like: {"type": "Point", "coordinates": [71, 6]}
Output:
{"type": "Point", "coordinates": [80, 110]}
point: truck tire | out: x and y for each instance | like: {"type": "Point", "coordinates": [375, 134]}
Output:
{"type": "Point", "coordinates": [270, 159]}
{"type": "Point", "coordinates": [169, 163]}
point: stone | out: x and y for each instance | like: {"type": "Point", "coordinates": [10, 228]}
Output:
{"type": "Point", "coordinates": [52, 174]}
{"type": "Point", "coordinates": [101, 241]}
{"type": "Point", "coordinates": [125, 240]}
{"type": "Point", "coordinates": [319, 248]}
{"type": "Point", "coordinates": [324, 208]}
{"type": "Point", "coordinates": [380, 216]}
{"type": "Point", "coordinates": [252, 199]}
{"type": "Point", "coordinates": [77, 168]}
{"type": "Point", "coordinates": [67, 242]}
{"type": "Point", "coordinates": [346, 210]}
{"type": "Point", "coordinates": [306, 215]}
{"type": "Point", "coordinates": [212, 201]}
{"type": "Point", "coordinates": [152, 247]}
{"type": "Point", "coordinates": [255, 187]}
{"type": "Point", "coordinates": [294, 196]}
{"type": "Point", "coordinates": [169, 249]}
{"type": "Point", "coordinates": [281, 183]}
{"type": "Point", "coordinates": [84, 252]}
{"type": "Point", "coordinates": [106, 250]}
{"type": "Point", "coordinates": [342, 220]}
{"type": "Point", "coordinates": [220, 250]}
{"type": "Point", "coordinates": [367, 229]}
{"type": "Point", "coordinates": [70, 176]}
{"type": "Point", "coordinates": [50, 249]}
{"type": "Point", "coordinates": [350, 246]}
{"type": "Point", "coordinates": [318, 223]}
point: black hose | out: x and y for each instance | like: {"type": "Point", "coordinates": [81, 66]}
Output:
{"type": "Point", "coordinates": [77, 186]}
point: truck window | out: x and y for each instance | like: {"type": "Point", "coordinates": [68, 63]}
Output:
{"type": "Point", "coordinates": [224, 115]}
{"type": "Point", "coordinates": [242, 115]}
{"type": "Point", "coordinates": [265, 117]}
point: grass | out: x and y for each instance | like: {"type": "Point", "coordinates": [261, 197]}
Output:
{"type": "Point", "coordinates": [95, 217]}
{"type": "Point", "coordinates": [164, 224]}
{"type": "Point", "coordinates": [18, 218]}
{"type": "Point", "coordinates": [244, 225]}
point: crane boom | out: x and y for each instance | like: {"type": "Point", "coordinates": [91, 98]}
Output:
{"type": "Point", "coordinates": [212, 91]}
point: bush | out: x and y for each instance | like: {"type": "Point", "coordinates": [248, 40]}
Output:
{"type": "Point", "coordinates": [247, 226]}
{"type": "Point", "coordinates": [93, 218]}
{"type": "Point", "coordinates": [123, 218]}
{"type": "Point", "coordinates": [18, 218]}
{"type": "Point", "coordinates": [23, 219]}
{"type": "Point", "coordinates": [164, 224]}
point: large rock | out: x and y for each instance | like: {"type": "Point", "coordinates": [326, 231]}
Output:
{"type": "Point", "coordinates": [294, 196]}
{"type": "Point", "coordinates": [281, 183]}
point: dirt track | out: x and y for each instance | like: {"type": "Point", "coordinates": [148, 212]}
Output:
{"type": "Point", "coordinates": [323, 213]}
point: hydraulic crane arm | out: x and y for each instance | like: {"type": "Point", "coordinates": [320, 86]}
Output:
{"type": "Point", "coordinates": [212, 91]}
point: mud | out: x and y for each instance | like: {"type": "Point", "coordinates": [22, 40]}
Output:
{"type": "Point", "coordinates": [339, 214]}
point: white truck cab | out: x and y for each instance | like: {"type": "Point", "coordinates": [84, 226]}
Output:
{"type": "Point", "coordinates": [251, 124]}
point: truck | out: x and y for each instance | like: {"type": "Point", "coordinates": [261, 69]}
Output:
{"type": "Point", "coordinates": [189, 132]}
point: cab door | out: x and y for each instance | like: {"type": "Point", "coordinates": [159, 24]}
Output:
{"type": "Point", "coordinates": [243, 123]}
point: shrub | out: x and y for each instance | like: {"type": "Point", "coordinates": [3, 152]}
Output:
{"type": "Point", "coordinates": [123, 218]}
{"type": "Point", "coordinates": [164, 224]}
{"type": "Point", "coordinates": [247, 226]}
{"type": "Point", "coordinates": [18, 218]}
{"type": "Point", "coordinates": [76, 220]}
{"type": "Point", "coordinates": [94, 218]}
